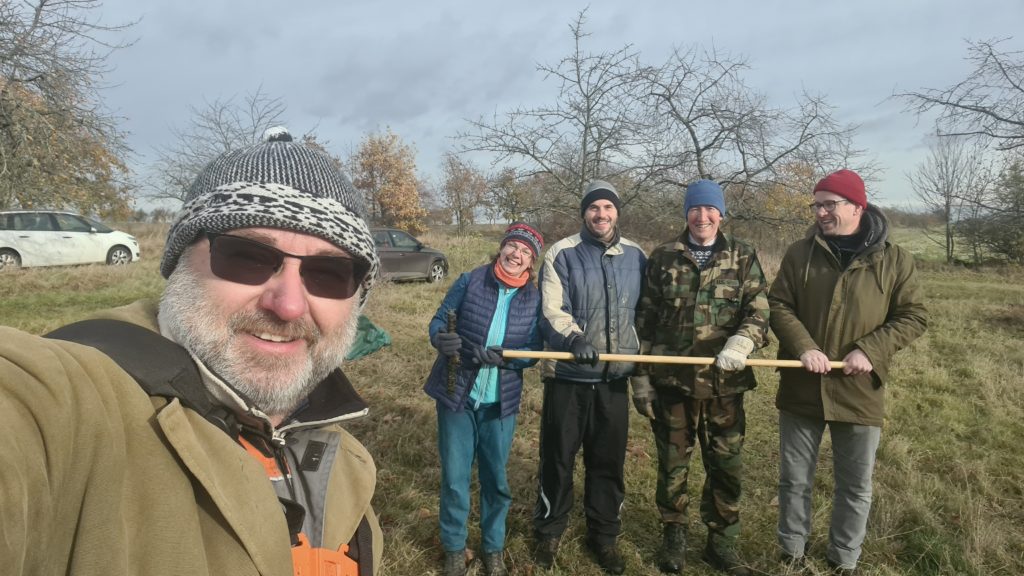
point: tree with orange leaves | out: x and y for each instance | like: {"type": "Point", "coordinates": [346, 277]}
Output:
{"type": "Point", "coordinates": [58, 148]}
{"type": "Point", "coordinates": [384, 170]}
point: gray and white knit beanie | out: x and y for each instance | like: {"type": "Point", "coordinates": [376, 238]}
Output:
{"type": "Point", "coordinates": [277, 183]}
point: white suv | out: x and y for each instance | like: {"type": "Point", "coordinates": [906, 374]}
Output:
{"type": "Point", "coordinates": [49, 238]}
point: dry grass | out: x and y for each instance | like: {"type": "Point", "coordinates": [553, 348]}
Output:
{"type": "Point", "coordinates": [948, 499]}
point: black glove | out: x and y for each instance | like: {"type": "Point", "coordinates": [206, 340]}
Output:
{"type": "Point", "coordinates": [490, 356]}
{"type": "Point", "coordinates": [582, 351]}
{"type": "Point", "coordinates": [447, 343]}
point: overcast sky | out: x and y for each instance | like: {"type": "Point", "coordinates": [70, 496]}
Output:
{"type": "Point", "coordinates": [348, 67]}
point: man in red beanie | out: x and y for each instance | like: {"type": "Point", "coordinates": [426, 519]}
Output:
{"type": "Point", "coordinates": [843, 292]}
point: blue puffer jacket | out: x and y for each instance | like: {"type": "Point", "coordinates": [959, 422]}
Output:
{"type": "Point", "coordinates": [591, 289]}
{"type": "Point", "coordinates": [474, 297]}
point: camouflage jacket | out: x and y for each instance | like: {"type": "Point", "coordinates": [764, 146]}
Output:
{"type": "Point", "coordinates": [685, 311]}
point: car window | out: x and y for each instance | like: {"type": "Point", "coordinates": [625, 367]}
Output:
{"type": "Point", "coordinates": [99, 226]}
{"type": "Point", "coordinates": [380, 238]}
{"type": "Point", "coordinates": [32, 221]}
{"type": "Point", "coordinates": [70, 223]}
{"type": "Point", "coordinates": [403, 240]}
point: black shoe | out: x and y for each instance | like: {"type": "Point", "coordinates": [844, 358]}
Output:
{"type": "Point", "coordinates": [838, 570]}
{"type": "Point", "coordinates": [722, 556]}
{"type": "Point", "coordinates": [455, 563]}
{"type": "Point", "coordinates": [494, 564]}
{"type": "Point", "coordinates": [672, 554]}
{"type": "Point", "coordinates": [607, 556]}
{"type": "Point", "coordinates": [545, 551]}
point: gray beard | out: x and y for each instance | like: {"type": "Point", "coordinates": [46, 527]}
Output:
{"type": "Point", "coordinates": [273, 385]}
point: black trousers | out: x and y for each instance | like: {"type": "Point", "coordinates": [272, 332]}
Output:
{"type": "Point", "coordinates": [594, 416]}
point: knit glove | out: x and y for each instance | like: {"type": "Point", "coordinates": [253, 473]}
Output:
{"type": "Point", "coordinates": [447, 343]}
{"type": "Point", "coordinates": [734, 354]}
{"type": "Point", "coordinates": [643, 395]}
{"type": "Point", "coordinates": [487, 356]}
{"type": "Point", "coordinates": [583, 351]}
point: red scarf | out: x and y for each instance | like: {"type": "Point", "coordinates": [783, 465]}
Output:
{"type": "Point", "coordinates": [510, 280]}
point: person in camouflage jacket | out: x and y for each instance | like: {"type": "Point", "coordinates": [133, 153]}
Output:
{"type": "Point", "coordinates": [704, 295]}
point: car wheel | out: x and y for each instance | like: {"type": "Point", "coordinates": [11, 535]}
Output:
{"type": "Point", "coordinates": [9, 260]}
{"type": "Point", "coordinates": [436, 273]}
{"type": "Point", "coordinates": [118, 255]}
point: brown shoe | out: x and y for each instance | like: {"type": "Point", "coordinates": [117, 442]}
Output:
{"type": "Point", "coordinates": [455, 563]}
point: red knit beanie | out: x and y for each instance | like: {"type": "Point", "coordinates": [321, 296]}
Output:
{"type": "Point", "coordinates": [845, 183]}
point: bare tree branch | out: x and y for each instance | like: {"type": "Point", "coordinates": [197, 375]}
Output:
{"type": "Point", "coordinates": [988, 104]}
{"type": "Point", "coordinates": [217, 127]}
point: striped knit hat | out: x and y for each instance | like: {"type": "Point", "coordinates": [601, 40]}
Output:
{"type": "Point", "coordinates": [526, 234]}
{"type": "Point", "coordinates": [277, 183]}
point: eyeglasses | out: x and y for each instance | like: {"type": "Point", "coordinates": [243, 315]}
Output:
{"type": "Point", "coordinates": [252, 263]}
{"type": "Point", "coordinates": [828, 205]}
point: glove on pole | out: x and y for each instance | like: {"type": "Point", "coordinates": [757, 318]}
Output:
{"type": "Point", "coordinates": [734, 354]}
{"type": "Point", "coordinates": [583, 351]}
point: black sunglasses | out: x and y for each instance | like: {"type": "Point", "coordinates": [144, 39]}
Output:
{"type": "Point", "coordinates": [245, 261]}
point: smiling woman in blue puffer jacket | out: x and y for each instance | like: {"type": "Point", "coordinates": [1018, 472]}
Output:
{"type": "Point", "coordinates": [496, 307]}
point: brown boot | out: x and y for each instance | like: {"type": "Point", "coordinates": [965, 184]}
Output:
{"type": "Point", "coordinates": [455, 563]}
{"type": "Point", "coordinates": [494, 564]}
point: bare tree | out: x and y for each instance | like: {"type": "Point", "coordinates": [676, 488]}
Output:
{"type": "Point", "coordinates": [989, 103]}
{"type": "Point", "coordinates": [217, 127]}
{"type": "Point", "coordinates": [710, 124]}
{"type": "Point", "coordinates": [55, 136]}
{"type": "Point", "coordinates": [652, 129]}
{"type": "Point", "coordinates": [954, 174]}
{"type": "Point", "coordinates": [510, 195]}
{"type": "Point", "coordinates": [463, 189]}
{"type": "Point", "coordinates": [589, 132]}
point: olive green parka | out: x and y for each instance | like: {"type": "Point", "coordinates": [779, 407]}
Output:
{"type": "Point", "coordinates": [97, 478]}
{"type": "Point", "coordinates": [874, 304]}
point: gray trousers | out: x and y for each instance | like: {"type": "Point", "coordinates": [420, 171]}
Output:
{"type": "Point", "coordinates": [853, 460]}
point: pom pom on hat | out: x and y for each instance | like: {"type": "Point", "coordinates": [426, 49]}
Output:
{"type": "Point", "coordinates": [277, 183]}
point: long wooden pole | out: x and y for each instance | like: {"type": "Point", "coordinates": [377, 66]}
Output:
{"type": "Point", "coordinates": [657, 359]}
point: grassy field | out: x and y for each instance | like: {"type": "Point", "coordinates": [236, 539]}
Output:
{"type": "Point", "coordinates": [950, 472]}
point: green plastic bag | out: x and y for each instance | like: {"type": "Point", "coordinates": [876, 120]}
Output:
{"type": "Point", "coordinates": [369, 339]}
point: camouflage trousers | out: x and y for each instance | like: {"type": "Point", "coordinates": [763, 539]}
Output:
{"type": "Point", "coordinates": [719, 425]}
